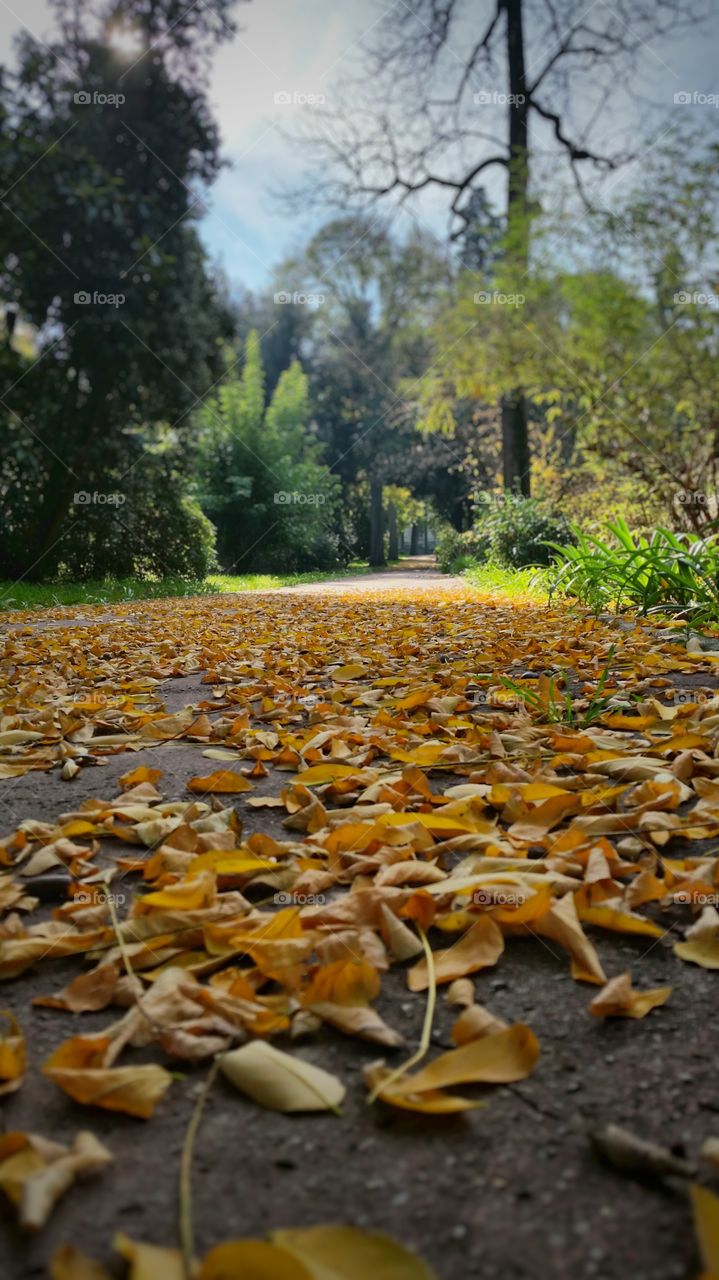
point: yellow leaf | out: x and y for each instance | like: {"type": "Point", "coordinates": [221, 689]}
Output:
{"type": "Point", "coordinates": [500, 1058]}
{"type": "Point", "coordinates": [223, 782]}
{"type": "Point", "coordinates": [619, 921]}
{"type": "Point", "coordinates": [280, 1081]}
{"type": "Point", "coordinates": [619, 999]}
{"type": "Point", "coordinates": [76, 1066]}
{"type": "Point", "coordinates": [434, 822]}
{"type": "Point", "coordinates": [251, 1260]}
{"type": "Point", "coordinates": [12, 1055]}
{"type": "Point", "coordinates": [480, 947]}
{"type": "Point", "coordinates": [150, 1261]}
{"type": "Point", "coordinates": [325, 773]}
{"type": "Point", "coordinates": [351, 671]}
{"type": "Point", "coordinates": [347, 1253]}
{"type": "Point", "coordinates": [141, 774]}
{"type": "Point", "coordinates": [706, 1224]}
{"type": "Point", "coordinates": [701, 945]}
{"type": "Point", "coordinates": [68, 1263]}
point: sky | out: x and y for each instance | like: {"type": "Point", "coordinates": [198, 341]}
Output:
{"type": "Point", "coordinates": [306, 47]}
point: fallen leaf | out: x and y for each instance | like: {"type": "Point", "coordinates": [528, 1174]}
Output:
{"type": "Point", "coordinates": [619, 999]}
{"type": "Point", "coordinates": [12, 1055]}
{"type": "Point", "coordinates": [280, 1081]}
{"type": "Point", "coordinates": [625, 1151]}
{"type": "Point", "coordinates": [222, 782]}
{"type": "Point", "coordinates": [479, 948]}
{"type": "Point", "coordinates": [75, 1067]}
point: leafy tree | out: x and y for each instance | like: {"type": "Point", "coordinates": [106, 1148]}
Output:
{"type": "Point", "coordinates": [263, 483]}
{"type": "Point", "coordinates": [365, 347]}
{"type": "Point", "coordinates": [497, 82]}
{"type": "Point", "coordinates": [102, 257]}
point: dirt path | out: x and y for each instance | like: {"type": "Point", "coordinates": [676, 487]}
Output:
{"type": "Point", "coordinates": [509, 1192]}
{"type": "Point", "coordinates": [415, 573]}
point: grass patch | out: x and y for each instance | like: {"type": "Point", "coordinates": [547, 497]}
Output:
{"type": "Point", "coordinates": [51, 595]}
{"type": "Point", "coordinates": [494, 579]}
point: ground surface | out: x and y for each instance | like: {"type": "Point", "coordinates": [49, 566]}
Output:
{"type": "Point", "coordinates": [512, 1191]}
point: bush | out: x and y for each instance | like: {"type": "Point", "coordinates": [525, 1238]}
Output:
{"type": "Point", "coordinates": [665, 572]}
{"type": "Point", "coordinates": [151, 529]}
{"type": "Point", "coordinates": [512, 531]}
{"type": "Point", "coordinates": [458, 551]}
{"type": "Point", "coordinates": [521, 531]}
{"type": "Point", "coordinates": [260, 474]}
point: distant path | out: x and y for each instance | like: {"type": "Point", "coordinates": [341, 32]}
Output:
{"type": "Point", "coordinates": [414, 572]}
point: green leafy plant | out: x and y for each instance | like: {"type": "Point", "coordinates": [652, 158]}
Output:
{"type": "Point", "coordinates": [558, 705]}
{"type": "Point", "coordinates": [663, 572]}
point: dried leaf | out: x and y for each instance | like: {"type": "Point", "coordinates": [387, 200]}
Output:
{"type": "Point", "coordinates": [280, 1081]}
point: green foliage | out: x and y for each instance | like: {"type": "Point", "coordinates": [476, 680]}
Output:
{"type": "Point", "coordinates": [142, 524]}
{"type": "Point", "coordinates": [555, 703]}
{"type": "Point", "coordinates": [664, 572]}
{"type": "Point", "coordinates": [261, 478]}
{"type": "Point", "coordinates": [52, 595]}
{"type": "Point", "coordinates": [102, 258]}
{"type": "Point", "coordinates": [458, 551]}
{"type": "Point", "coordinates": [520, 529]}
{"type": "Point", "coordinates": [494, 579]}
{"type": "Point", "coordinates": [509, 530]}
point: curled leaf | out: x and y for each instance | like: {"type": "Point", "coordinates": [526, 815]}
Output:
{"type": "Point", "coordinates": [281, 1081]}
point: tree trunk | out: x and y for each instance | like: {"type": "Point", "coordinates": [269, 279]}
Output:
{"type": "Point", "coordinates": [414, 540]}
{"type": "Point", "coordinates": [376, 535]}
{"type": "Point", "coordinates": [393, 551]}
{"type": "Point", "coordinates": [515, 435]}
{"type": "Point", "coordinates": [515, 444]}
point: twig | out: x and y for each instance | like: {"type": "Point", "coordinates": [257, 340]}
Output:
{"type": "Point", "coordinates": [426, 1039]}
{"type": "Point", "coordinates": [185, 1186]}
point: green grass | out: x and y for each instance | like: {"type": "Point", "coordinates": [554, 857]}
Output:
{"type": "Point", "coordinates": [51, 595]}
{"type": "Point", "coordinates": [530, 584]}
{"type": "Point", "coordinates": [663, 573]}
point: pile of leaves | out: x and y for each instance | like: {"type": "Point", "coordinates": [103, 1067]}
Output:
{"type": "Point", "coordinates": [430, 815]}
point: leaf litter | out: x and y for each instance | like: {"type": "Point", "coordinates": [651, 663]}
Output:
{"type": "Point", "coordinates": [449, 784]}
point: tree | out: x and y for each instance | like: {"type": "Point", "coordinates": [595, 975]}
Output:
{"type": "Point", "coordinates": [103, 259]}
{"type": "Point", "coordinates": [364, 345]}
{"type": "Point", "coordinates": [617, 352]}
{"type": "Point", "coordinates": [260, 472]}
{"type": "Point", "coordinates": [527, 62]}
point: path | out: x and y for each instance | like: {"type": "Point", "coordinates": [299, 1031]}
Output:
{"type": "Point", "coordinates": [509, 1192]}
{"type": "Point", "coordinates": [416, 573]}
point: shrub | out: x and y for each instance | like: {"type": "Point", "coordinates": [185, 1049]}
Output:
{"type": "Point", "coordinates": [260, 474]}
{"type": "Point", "coordinates": [512, 531]}
{"type": "Point", "coordinates": [155, 531]}
{"type": "Point", "coordinates": [457, 551]}
{"type": "Point", "coordinates": [521, 531]}
{"type": "Point", "coordinates": [664, 572]}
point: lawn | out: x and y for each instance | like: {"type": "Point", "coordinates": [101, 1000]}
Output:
{"type": "Point", "coordinates": [50, 595]}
